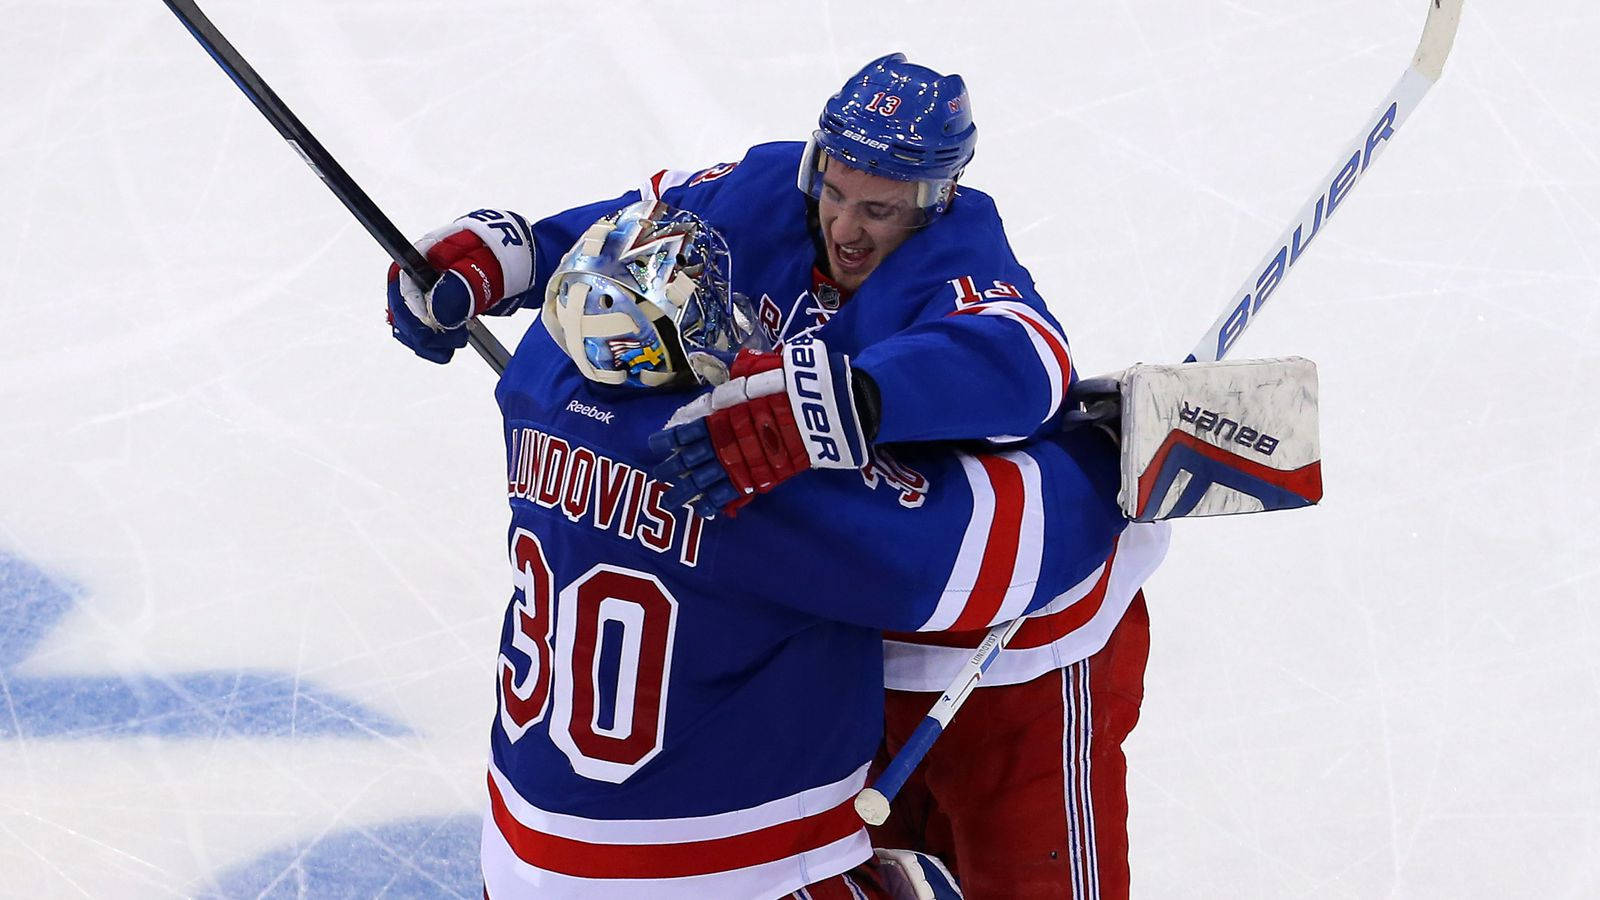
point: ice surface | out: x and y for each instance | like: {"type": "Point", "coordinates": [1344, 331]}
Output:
{"type": "Point", "coordinates": [251, 551]}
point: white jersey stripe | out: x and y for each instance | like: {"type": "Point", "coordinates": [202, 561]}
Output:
{"type": "Point", "coordinates": [1022, 569]}
{"type": "Point", "coordinates": [507, 876]}
{"type": "Point", "coordinates": [1041, 334]}
{"type": "Point", "coordinates": [698, 828]}
{"type": "Point", "coordinates": [964, 574]}
{"type": "Point", "coordinates": [663, 181]}
{"type": "Point", "coordinates": [1030, 542]}
{"type": "Point", "coordinates": [926, 667]}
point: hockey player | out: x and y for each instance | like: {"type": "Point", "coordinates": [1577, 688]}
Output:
{"type": "Point", "coordinates": [926, 328]}
{"type": "Point", "coordinates": [686, 707]}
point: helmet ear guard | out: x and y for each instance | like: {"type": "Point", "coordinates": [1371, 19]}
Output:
{"type": "Point", "coordinates": [576, 330]}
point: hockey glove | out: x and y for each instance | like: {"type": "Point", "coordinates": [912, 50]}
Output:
{"type": "Point", "coordinates": [485, 261]}
{"type": "Point", "coordinates": [780, 414]}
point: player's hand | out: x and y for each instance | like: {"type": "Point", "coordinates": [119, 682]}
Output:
{"type": "Point", "coordinates": [485, 260]}
{"type": "Point", "coordinates": [780, 414]}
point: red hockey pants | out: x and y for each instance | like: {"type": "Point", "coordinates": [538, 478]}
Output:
{"type": "Point", "coordinates": [1025, 793]}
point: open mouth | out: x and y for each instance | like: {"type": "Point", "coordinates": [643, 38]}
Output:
{"type": "Point", "coordinates": [851, 258]}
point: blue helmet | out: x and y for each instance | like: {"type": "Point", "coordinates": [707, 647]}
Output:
{"type": "Point", "coordinates": [898, 120]}
{"type": "Point", "coordinates": [643, 300]}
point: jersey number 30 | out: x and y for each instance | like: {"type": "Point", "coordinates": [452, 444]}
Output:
{"type": "Point", "coordinates": [607, 709]}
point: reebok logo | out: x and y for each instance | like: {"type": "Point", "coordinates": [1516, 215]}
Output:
{"type": "Point", "coordinates": [603, 416]}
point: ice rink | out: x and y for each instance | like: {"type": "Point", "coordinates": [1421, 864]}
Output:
{"type": "Point", "coordinates": [252, 560]}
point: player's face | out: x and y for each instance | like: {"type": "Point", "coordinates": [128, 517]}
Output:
{"type": "Point", "coordinates": [864, 218]}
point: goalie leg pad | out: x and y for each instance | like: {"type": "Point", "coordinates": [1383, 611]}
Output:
{"type": "Point", "coordinates": [909, 875]}
{"type": "Point", "coordinates": [1222, 438]}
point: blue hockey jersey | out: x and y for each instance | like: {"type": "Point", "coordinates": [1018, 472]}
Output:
{"type": "Point", "coordinates": [686, 706]}
{"type": "Point", "coordinates": [954, 333]}
{"type": "Point", "coordinates": [949, 326]}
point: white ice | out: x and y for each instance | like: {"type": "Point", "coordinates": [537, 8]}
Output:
{"type": "Point", "coordinates": [251, 550]}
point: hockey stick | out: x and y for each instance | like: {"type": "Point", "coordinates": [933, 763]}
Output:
{"type": "Point", "coordinates": [327, 168]}
{"type": "Point", "coordinates": [1438, 34]}
{"type": "Point", "coordinates": [872, 804]}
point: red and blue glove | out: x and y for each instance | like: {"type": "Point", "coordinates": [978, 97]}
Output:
{"type": "Point", "coordinates": [780, 414]}
{"type": "Point", "coordinates": [485, 261]}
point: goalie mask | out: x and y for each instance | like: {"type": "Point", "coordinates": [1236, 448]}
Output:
{"type": "Point", "coordinates": [643, 299]}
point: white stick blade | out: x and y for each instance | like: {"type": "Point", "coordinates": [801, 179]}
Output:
{"type": "Point", "coordinates": [1438, 36]}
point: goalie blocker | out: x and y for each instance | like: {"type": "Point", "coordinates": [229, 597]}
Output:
{"type": "Point", "coordinates": [1213, 439]}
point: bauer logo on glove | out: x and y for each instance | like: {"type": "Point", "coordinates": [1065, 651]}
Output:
{"type": "Point", "coordinates": [822, 406]}
{"type": "Point", "coordinates": [782, 413]}
{"type": "Point", "coordinates": [1213, 439]}
{"type": "Point", "coordinates": [485, 261]}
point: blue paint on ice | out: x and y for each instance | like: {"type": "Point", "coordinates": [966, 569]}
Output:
{"type": "Point", "coordinates": [415, 858]}
{"type": "Point", "coordinates": [430, 857]}
{"type": "Point", "coordinates": [241, 703]}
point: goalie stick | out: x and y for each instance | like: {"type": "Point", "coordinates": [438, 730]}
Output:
{"type": "Point", "coordinates": [327, 168]}
{"type": "Point", "coordinates": [1438, 35]}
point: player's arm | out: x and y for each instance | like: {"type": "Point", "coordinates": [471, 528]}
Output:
{"type": "Point", "coordinates": [491, 262]}
{"type": "Point", "coordinates": [946, 540]}
{"type": "Point", "coordinates": [996, 369]}
{"type": "Point", "coordinates": [495, 262]}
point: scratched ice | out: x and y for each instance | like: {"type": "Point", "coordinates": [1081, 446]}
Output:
{"type": "Point", "coordinates": [252, 551]}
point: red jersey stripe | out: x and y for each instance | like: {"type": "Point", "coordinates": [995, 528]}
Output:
{"type": "Point", "coordinates": [1049, 629]}
{"type": "Point", "coordinates": [1063, 359]}
{"type": "Point", "coordinates": [1045, 332]}
{"type": "Point", "coordinates": [1000, 548]}
{"type": "Point", "coordinates": [1038, 631]}
{"type": "Point", "coordinates": [583, 859]}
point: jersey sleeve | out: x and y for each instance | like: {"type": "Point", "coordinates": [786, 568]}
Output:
{"type": "Point", "coordinates": [981, 357]}
{"type": "Point", "coordinates": [944, 540]}
{"type": "Point", "coordinates": [997, 369]}
{"type": "Point", "coordinates": [554, 235]}
{"type": "Point", "coordinates": [683, 188]}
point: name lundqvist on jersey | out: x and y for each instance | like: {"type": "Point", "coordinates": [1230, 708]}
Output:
{"type": "Point", "coordinates": [584, 484]}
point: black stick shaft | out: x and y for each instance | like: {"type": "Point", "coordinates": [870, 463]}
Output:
{"type": "Point", "coordinates": [326, 167]}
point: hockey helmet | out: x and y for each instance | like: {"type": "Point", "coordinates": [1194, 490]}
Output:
{"type": "Point", "coordinates": [898, 120]}
{"type": "Point", "coordinates": [643, 300]}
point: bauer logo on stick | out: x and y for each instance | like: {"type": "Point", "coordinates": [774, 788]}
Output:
{"type": "Point", "coordinates": [1339, 185]}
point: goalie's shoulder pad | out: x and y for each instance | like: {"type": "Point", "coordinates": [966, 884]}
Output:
{"type": "Point", "coordinates": [1219, 438]}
